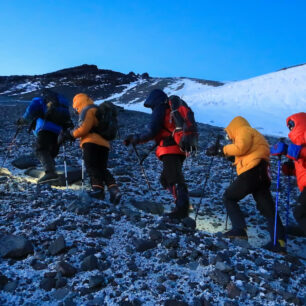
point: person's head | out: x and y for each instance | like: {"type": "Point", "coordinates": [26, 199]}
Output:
{"type": "Point", "coordinates": [237, 123]}
{"type": "Point", "coordinates": [80, 101]}
{"type": "Point", "coordinates": [49, 96]}
{"type": "Point", "coordinates": [296, 124]}
{"type": "Point", "coordinates": [155, 98]}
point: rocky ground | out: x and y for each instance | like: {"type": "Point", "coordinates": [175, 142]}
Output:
{"type": "Point", "coordinates": [59, 247]}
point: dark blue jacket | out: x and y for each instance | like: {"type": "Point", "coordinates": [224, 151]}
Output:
{"type": "Point", "coordinates": [36, 111]}
{"type": "Point", "coordinates": [157, 102]}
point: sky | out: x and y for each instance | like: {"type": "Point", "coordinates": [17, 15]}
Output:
{"type": "Point", "coordinates": [218, 40]}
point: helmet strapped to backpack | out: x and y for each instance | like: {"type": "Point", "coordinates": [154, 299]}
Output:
{"type": "Point", "coordinates": [185, 133]}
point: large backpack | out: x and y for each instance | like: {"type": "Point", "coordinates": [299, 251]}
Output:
{"type": "Point", "coordinates": [57, 110]}
{"type": "Point", "coordinates": [185, 133]}
{"type": "Point", "coordinates": [107, 120]}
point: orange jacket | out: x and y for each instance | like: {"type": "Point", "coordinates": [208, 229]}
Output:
{"type": "Point", "coordinates": [161, 139]}
{"type": "Point", "coordinates": [249, 147]}
{"type": "Point", "coordinates": [80, 101]}
{"type": "Point", "coordinates": [298, 136]}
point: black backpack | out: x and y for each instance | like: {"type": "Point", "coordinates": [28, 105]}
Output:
{"type": "Point", "coordinates": [57, 110]}
{"type": "Point", "coordinates": [186, 130]}
{"type": "Point", "coordinates": [107, 117]}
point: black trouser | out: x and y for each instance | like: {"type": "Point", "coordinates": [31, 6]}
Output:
{"type": "Point", "coordinates": [172, 178]}
{"type": "Point", "coordinates": [256, 182]}
{"type": "Point", "coordinates": [47, 149]}
{"type": "Point", "coordinates": [172, 170]}
{"type": "Point", "coordinates": [96, 158]}
{"type": "Point", "coordinates": [300, 211]}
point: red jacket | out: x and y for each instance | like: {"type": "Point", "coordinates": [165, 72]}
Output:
{"type": "Point", "coordinates": [298, 136]}
{"type": "Point", "coordinates": [166, 143]}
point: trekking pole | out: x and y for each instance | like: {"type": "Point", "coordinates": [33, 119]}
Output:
{"type": "Point", "coordinates": [83, 175]}
{"type": "Point", "coordinates": [287, 207]}
{"type": "Point", "coordinates": [232, 178]}
{"type": "Point", "coordinates": [10, 146]}
{"type": "Point", "coordinates": [146, 155]}
{"type": "Point", "coordinates": [143, 171]}
{"type": "Point", "coordinates": [206, 178]}
{"type": "Point", "coordinates": [65, 166]}
{"type": "Point", "coordinates": [276, 200]}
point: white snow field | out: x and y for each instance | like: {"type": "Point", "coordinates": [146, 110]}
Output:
{"type": "Point", "coordinates": [265, 101]}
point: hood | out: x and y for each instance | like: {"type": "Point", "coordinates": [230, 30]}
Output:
{"type": "Point", "coordinates": [298, 133]}
{"type": "Point", "coordinates": [49, 96]}
{"type": "Point", "coordinates": [80, 101]}
{"type": "Point", "coordinates": [155, 98]}
{"type": "Point", "coordinates": [237, 123]}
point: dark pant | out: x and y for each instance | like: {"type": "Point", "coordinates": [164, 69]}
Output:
{"type": "Point", "coordinates": [300, 211]}
{"type": "Point", "coordinates": [47, 149]}
{"type": "Point", "coordinates": [256, 182]}
{"type": "Point", "coordinates": [172, 178]}
{"type": "Point", "coordinates": [172, 170]}
{"type": "Point", "coordinates": [96, 158]}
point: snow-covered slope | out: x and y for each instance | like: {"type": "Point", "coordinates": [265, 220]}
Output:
{"type": "Point", "coordinates": [265, 101]}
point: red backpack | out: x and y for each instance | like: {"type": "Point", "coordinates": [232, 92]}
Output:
{"type": "Point", "coordinates": [185, 133]}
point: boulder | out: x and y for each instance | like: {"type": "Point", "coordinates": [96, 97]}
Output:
{"type": "Point", "coordinates": [89, 263]}
{"type": "Point", "coordinates": [57, 246]}
{"type": "Point", "coordinates": [73, 174]}
{"type": "Point", "coordinates": [25, 162]}
{"type": "Point", "coordinates": [66, 269]}
{"type": "Point", "coordinates": [142, 245]}
{"type": "Point", "coordinates": [149, 207]}
{"type": "Point", "coordinates": [15, 246]}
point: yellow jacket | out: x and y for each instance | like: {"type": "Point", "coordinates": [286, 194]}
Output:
{"type": "Point", "coordinates": [80, 101]}
{"type": "Point", "coordinates": [249, 147]}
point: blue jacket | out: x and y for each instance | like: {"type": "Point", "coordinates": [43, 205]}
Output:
{"type": "Point", "coordinates": [156, 101]}
{"type": "Point", "coordinates": [36, 111]}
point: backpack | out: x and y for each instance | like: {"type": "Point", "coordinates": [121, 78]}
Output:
{"type": "Point", "coordinates": [185, 133]}
{"type": "Point", "coordinates": [57, 110]}
{"type": "Point", "coordinates": [107, 120]}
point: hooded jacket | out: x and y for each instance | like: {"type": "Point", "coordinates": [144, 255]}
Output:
{"type": "Point", "coordinates": [80, 101]}
{"type": "Point", "coordinates": [298, 136]}
{"type": "Point", "coordinates": [161, 127]}
{"type": "Point", "coordinates": [249, 147]}
{"type": "Point", "coordinates": [37, 110]}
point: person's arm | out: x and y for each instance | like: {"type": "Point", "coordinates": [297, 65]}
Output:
{"type": "Point", "coordinates": [86, 126]}
{"type": "Point", "coordinates": [33, 111]}
{"type": "Point", "coordinates": [156, 124]}
{"type": "Point", "coordinates": [243, 142]}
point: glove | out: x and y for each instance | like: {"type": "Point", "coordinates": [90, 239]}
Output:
{"type": "Point", "coordinates": [21, 121]}
{"type": "Point", "coordinates": [65, 135]}
{"type": "Point", "coordinates": [131, 139]}
{"type": "Point", "coordinates": [288, 168]}
{"type": "Point", "coordinates": [279, 149]}
{"type": "Point", "coordinates": [294, 151]}
{"type": "Point", "coordinates": [214, 151]}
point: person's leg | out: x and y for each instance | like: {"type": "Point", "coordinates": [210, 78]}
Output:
{"type": "Point", "coordinates": [300, 211]}
{"type": "Point", "coordinates": [91, 155]}
{"type": "Point", "coordinates": [44, 147]}
{"type": "Point", "coordinates": [266, 207]}
{"type": "Point", "coordinates": [172, 178]}
{"type": "Point", "coordinates": [109, 180]}
{"type": "Point", "coordinates": [244, 184]}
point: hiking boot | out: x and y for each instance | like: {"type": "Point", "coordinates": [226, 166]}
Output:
{"type": "Point", "coordinates": [97, 193]}
{"type": "Point", "coordinates": [177, 214]}
{"type": "Point", "coordinates": [181, 210]}
{"type": "Point", "coordinates": [280, 247]}
{"type": "Point", "coordinates": [236, 233]}
{"type": "Point", "coordinates": [114, 194]}
{"type": "Point", "coordinates": [48, 178]}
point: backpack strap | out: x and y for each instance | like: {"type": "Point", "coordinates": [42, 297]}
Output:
{"type": "Point", "coordinates": [84, 112]}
